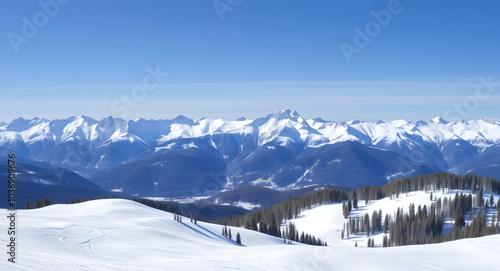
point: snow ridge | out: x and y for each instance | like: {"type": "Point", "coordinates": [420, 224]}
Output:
{"type": "Point", "coordinates": [277, 126]}
{"type": "Point", "coordinates": [444, 144]}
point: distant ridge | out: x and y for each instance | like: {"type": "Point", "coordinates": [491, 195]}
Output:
{"type": "Point", "coordinates": [283, 150]}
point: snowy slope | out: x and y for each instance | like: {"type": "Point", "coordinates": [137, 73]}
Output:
{"type": "Point", "coordinates": [116, 234]}
{"type": "Point", "coordinates": [326, 221]}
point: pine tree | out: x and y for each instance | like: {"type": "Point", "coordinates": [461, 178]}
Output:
{"type": "Point", "coordinates": [367, 224]}
{"type": "Point", "coordinates": [253, 224]}
{"type": "Point", "coordinates": [379, 220]}
{"type": "Point", "coordinates": [384, 241]}
{"type": "Point", "coordinates": [354, 199]}
{"type": "Point", "coordinates": [386, 223]}
{"type": "Point", "coordinates": [238, 238]}
{"type": "Point", "coordinates": [46, 202]}
{"type": "Point", "coordinates": [374, 221]}
{"type": "Point", "coordinates": [345, 210]}
{"type": "Point", "coordinates": [37, 204]}
{"type": "Point", "coordinates": [273, 229]}
{"type": "Point", "coordinates": [479, 197]}
{"type": "Point", "coordinates": [229, 235]}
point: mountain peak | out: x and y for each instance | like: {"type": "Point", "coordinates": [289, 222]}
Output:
{"type": "Point", "coordinates": [181, 119]}
{"type": "Point", "coordinates": [20, 120]}
{"type": "Point", "coordinates": [107, 122]}
{"type": "Point", "coordinates": [490, 120]}
{"type": "Point", "coordinates": [421, 123]}
{"type": "Point", "coordinates": [352, 122]}
{"type": "Point", "coordinates": [286, 114]}
{"type": "Point", "coordinates": [318, 119]}
{"type": "Point", "coordinates": [399, 123]}
{"type": "Point", "coordinates": [82, 118]}
{"type": "Point", "coordinates": [18, 124]}
{"type": "Point", "coordinates": [439, 120]}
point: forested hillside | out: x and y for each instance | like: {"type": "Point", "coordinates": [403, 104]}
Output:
{"type": "Point", "coordinates": [461, 206]}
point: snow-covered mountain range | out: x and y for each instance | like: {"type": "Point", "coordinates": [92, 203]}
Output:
{"type": "Point", "coordinates": [193, 157]}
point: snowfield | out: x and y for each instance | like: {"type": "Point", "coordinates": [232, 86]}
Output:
{"type": "Point", "coordinates": [115, 234]}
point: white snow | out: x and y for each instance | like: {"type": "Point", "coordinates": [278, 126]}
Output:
{"type": "Point", "coordinates": [309, 170]}
{"type": "Point", "coordinates": [281, 128]}
{"type": "Point", "coordinates": [334, 161]}
{"type": "Point", "coordinates": [245, 205]}
{"type": "Point", "coordinates": [398, 175]}
{"type": "Point", "coordinates": [179, 200]}
{"type": "Point", "coordinates": [116, 234]}
{"type": "Point", "coordinates": [326, 221]}
{"type": "Point", "coordinates": [168, 147]}
{"type": "Point", "coordinates": [265, 183]}
{"type": "Point", "coordinates": [190, 145]}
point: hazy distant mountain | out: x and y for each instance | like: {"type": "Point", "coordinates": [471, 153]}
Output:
{"type": "Point", "coordinates": [194, 157]}
{"type": "Point", "coordinates": [36, 182]}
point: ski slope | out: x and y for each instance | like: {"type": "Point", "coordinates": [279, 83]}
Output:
{"type": "Point", "coordinates": [115, 234]}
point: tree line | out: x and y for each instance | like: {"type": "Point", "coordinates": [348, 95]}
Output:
{"type": "Point", "coordinates": [268, 220]}
{"type": "Point", "coordinates": [418, 225]}
{"type": "Point", "coordinates": [423, 225]}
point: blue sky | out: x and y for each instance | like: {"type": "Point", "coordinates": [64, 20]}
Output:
{"type": "Point", "coordinates": [92, 58]}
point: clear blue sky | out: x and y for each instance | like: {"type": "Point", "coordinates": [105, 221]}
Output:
{"type": "Point", "coordinates": [265, 55]}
